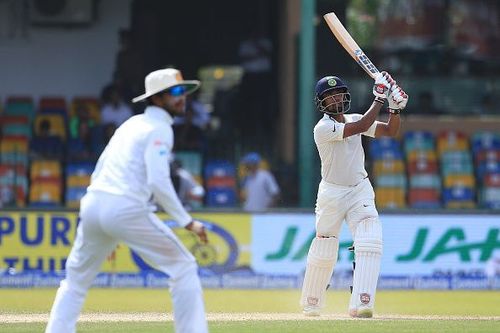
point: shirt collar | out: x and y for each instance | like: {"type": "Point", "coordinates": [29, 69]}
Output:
{"type": "Point", "coordinates": [158, 113]}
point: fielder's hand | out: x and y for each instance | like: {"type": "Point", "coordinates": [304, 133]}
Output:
{"type": "Point", "coordinates": [397, 99]}
{"type": "Point", "coordinates": [382, 86]}
{"type": "Point", "coordinates": [199, 229]}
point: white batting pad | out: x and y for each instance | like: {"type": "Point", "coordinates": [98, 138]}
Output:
{"type": "Point", "coordinates": [321, 259]}
{"type": "Point", "coordinates": [368, 254]}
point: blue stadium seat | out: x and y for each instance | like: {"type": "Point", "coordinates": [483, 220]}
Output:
{"type": "Point", "coordinates": [221, 197]}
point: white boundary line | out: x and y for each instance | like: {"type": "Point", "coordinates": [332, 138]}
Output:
{"type": "Point", "coordinates": [157, 317]}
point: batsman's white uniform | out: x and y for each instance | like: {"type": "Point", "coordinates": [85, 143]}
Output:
{"type": "Point", "coordinates": [133, 167]}
{"type": "Point", "coordinates": [345, 193]}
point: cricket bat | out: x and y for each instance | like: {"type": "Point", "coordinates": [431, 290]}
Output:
{"type": "Point", "coordinates": [350, 45]}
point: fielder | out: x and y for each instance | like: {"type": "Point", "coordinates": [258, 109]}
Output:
{"type": "Point", "coordinates": [345, 192]}
{"type": "Point", "coordinates": [133, 167]}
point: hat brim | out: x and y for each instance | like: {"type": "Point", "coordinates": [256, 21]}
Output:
{"type": "Point", "coordinates": [190, 85]}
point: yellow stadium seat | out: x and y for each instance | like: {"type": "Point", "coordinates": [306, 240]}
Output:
{"type": "Point", "coordinates": [390, 197]}
{"type": "Point", "coordinates": [426, 155]}
{"type": "Point", "coordinates": [45, 192]}
{"type": "Point", "coordinates": [57, 124]}
{"type": "Point", "coordinates": [388, 166]}
{"type": "Point", "coordinates": [459, 180]}
{"type": "Point", "coordinates": [78, 181]}
{"type": "Point", "coordinates": [43, 169]}
{"type": "Point", "coordinates": [15, 144]}
{"type": "Point", "coordinates": [460, 204]}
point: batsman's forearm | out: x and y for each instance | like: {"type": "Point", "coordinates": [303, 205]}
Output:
{"type": "Point", "coordinates": [371, 115]}
{"type": "Point", "coordinates": [394, 124]}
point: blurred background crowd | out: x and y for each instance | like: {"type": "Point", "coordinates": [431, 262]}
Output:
{"type": "Point", "coordinates": [70, 68]}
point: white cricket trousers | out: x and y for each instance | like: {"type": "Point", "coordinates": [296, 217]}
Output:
{"type": "Point", "coordinates": [107, 219]}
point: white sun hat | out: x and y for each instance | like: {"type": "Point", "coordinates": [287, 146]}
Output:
{"type": "Point", "coordinates": [164, 79]}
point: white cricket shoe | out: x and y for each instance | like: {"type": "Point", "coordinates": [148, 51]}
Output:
{"type": "Point", "coordinates": [361, 312]}
{"type": "Point", "coordinates": [311, 311]}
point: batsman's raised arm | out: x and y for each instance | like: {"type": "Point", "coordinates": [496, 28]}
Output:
{"type": "Point", "coordinates": [381, 89]}
{"type": "Point", "coordinates": [397, 102]}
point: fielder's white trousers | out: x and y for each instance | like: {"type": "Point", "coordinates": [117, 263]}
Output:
{"type": "Point", "coordinates": [336, 203]}
{"type": "Point", "coordinates": [107, 219]}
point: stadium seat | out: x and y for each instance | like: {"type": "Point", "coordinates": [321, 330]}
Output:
{"type": "Point", "coordinates": [485, 141]}
{"type": "Point", "coordinates": [492, 180]}
{"type": "Point", "coordinates": [459, 197]}
{"type": "Point", "coordinates": [463, 180]}
{"type": "Point", "coordinates": [13, 185]}
{"type": "Point", "coordinates": [418, 140]}
{"type": "Point", "coordinates": [74, 195]}
{"type": "Point", "coordinates": [422, 155]}
{"type": "Point", "coordinates": [219, 169]}
{"type": "Point", "coordinates": [422, 166]}
{"type": "Point", "coordinates": [451, 140]}
{"type": "Point", "coordinates": [53, 104]}
{"type": "Point", "coordinates": [92, 105]}
{"type": "Point", "coordinates": [388, 166]}
{"type": "Point", "coordinates": [45, 169]}
{"type": "Point", "coordinates": [385, 148]}
{"type": "Point", "coordinates": [490, 197]}
{"type": "Point", "coordinates": [57, 124]}
{"type": "Point", "coordinates": [14, 144]}
{"type": "Point", "coordinates": [391, 181]}
{"type": "Point", "coordinates": [45, 193]}
{"type": "Point", "coordinates": [20, 106]}
{"type": "Point", "coordinates": [424, 198]}
{"type": "Point", "coordinates": [221, 197]}
{"type": "Point", "coordinates": [425, 180]}
{"type": "Point", "coordinates": [390, 198]}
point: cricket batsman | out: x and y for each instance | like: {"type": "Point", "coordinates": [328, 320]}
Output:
{"type": "Point", "coordinates": [345, 192]}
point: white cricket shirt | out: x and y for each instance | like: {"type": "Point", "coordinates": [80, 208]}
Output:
{"type": "Point", "coordinates": [342, 160]}
{"type": "Point", "coordinates": [135, 163]}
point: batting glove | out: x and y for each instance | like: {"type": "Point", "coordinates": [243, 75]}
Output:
{"type": "Point", "coordinates": [382, 86]}
{"type": "Point", "coordinates": [397, 100]}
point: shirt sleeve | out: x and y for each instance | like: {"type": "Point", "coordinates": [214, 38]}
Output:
{"type": "Point", "coordinates": [156, 156]}
{"type": "Point", "coordinates": [272, 186]}
{"type": "Point", "coordinates": [326, 131]}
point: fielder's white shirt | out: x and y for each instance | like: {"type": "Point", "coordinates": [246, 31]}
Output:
{"type": "Point", "coordinates": [135, 163]}
{"type": "Point", "coordinates": [260, 189]}
{"type": "Point", "coordinates": [342, 160]}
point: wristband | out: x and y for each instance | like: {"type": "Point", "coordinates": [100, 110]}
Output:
{"type": "Point", "coordinates": [394, 111]}
{"type": "Point", "coordinates": [379, 100]}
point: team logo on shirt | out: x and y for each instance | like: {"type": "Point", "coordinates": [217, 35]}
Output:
{"type": "Point", "coordinates": [158, 143]}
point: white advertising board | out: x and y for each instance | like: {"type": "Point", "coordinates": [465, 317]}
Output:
{"type": "Point", "coordinates": [413, 244]}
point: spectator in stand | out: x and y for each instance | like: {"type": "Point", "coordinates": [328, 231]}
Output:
{"type": "Point", "coordinates": [425, 105]}
{"type": "Point", "coordinates": [46, 145]}
{"type": "Point", "coordinates": [79, 145]}
{"type": "Point", "coordinates": [260, 190]}
{"type": "Point", "coordinates": [114, 110]}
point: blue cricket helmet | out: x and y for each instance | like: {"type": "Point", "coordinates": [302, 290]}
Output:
{"type": "Point", "coordinates": [332, 103]}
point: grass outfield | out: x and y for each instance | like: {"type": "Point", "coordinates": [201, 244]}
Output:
{"type": "Point", "coordinates": [149, 310]}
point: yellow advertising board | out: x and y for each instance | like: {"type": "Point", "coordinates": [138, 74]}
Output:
{"type": "Point", "coordinates": [42, 241]}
